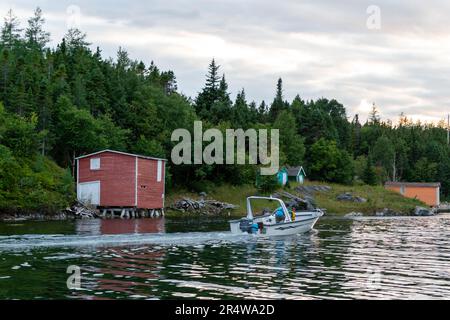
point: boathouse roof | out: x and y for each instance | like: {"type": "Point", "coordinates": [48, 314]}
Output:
{"type": "Point", "coordinates": [414, 184]}
{"type": "Point", "coordinates": [119, 152]}
{"type": "Point", "coordinates": [295, 171]}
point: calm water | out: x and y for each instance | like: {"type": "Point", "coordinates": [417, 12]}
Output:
{"type": "Point", "coordinates": [382, 258]}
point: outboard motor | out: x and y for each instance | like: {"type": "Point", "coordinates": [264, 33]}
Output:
{"type": "Point", "coordinates": [248, 226]}
{"type": "Point", "coordinates": [245, 225]}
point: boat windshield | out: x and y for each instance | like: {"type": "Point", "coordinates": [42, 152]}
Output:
{"type": "Point", "coordinates": [264, 206]}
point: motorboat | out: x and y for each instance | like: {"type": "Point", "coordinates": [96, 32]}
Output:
{"type": "Point", "coordinates": [280, 222]}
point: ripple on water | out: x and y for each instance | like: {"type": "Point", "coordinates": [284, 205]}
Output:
{"type": "Point", "coordinates": [398, 258]}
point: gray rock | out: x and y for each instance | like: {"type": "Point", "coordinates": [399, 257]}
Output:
{"type": "Point", "coordinates": [312, 189]}
{"type": "Point", "coordinates": [353, 214]}
{"type": "Point", "coordinates": [81, 211]}
{"type": "Point", "coordinates": [421, 211]}
{"type": "Point", "coordinates": [307, 202]}
{"type": "Point", "coordinates": [444, 207]}
{"type": "Point", "coordinates": [349, 197]}
{"type": "Point", "coordinates": [202, 206]}
{"type": "Point", "coordinates": [21, 217]}
{"type": "Point", "coordinates": [387, 213]}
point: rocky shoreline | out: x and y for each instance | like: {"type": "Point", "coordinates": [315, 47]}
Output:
{"type": "Point", "coordinates": [386, 212]}
{"type": "Point", "coordinates": [62, 216]}
{"type": "Point", "coordinates": [76, 211]}
{"type": "Point", "coordinates": [304, 198]}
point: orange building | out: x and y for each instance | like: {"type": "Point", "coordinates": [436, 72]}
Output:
{"type": "Point", "coordinates": [425, 192]}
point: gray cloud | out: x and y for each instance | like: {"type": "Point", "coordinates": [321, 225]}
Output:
{"type": "Point", "coordinates": [320, 49]}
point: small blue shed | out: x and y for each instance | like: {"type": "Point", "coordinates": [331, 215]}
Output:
{"type": "Point", "coordinates": [282, 176]}
{"type": "Point", "coordinates": [297, 174]}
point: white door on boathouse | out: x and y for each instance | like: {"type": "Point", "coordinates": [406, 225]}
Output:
{"type": "Point", "coordinates": [89, 192]}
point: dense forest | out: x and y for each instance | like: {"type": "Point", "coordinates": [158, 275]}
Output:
{"type": "Point", "coordinates": [62, 102]}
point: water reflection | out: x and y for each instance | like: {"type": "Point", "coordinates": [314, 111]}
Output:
{"type": "Point", "coordinates": [119, 226]}
{"type": "Point", "coordinates": [123, 273]}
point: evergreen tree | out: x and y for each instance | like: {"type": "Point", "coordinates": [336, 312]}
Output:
{"type": "Point", "coordinates": [75, 38]}
{"type": "Point", "coordinates": [369, 174]}
{"type": "Point", "coordinates": [168, 82]}
{"type": "Point", "coordinates": [278, 104]}
{"type": "Point", "coordinates": [221, 109]}
{"type": "Point", "coordinates": [315, 124]}
{"type": "Point", "coordinates": [213, 78]}
{"type": "Point", "coordinates": [297, 106]}
{"type": "Point", "coordinates": [253, 116]}
{"type": "Point", "coordinates": [425, 170]}
{"type": "Point", "coordinates": [374, 116]}
{"type": "Point", "coordinates": [240, 111]}
{"type": "Point", "coordinates": [326, 162]}
{"type": "Point", "coordinates": [10, 34]}
{"type": "Point", "coordinates": [291, 144]}
{"type": "Point", "coordinates": [384, 155]}
{"type": "Point", "coordinates": [262, 112]}
{"type": "Point", "coordinates": [35, 34]}
{"type": "Point", "coordinates": [208, 96]}
{"type": "Point", "coordinates": [356, 135]}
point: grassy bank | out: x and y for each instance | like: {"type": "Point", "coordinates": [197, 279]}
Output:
{"type": "Point", "coordinates": [377, 197]}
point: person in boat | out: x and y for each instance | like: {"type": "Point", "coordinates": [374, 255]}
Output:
{"type": "Point", "coordinates": [279, 215]}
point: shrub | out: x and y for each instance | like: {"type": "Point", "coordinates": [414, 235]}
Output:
{"type": "Point", "coordinates": [267, 184]}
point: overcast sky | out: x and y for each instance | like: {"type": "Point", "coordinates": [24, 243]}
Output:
{"type": "Point", "coordinates": [320, 48]}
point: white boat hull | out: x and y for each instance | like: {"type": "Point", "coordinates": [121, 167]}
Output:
{"type": "Point", "coordinates": [302, 224]}
{"type": "Point", "coordinates": [285, 229]}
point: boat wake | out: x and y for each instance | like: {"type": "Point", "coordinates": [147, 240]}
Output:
{"type": "Point", "coordinates": [24, 242]}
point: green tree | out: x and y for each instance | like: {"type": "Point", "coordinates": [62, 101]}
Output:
{"type": "Point", "coordinates": [10, 34]}
{"type": "Point", "coordinates": [221, 109]}
{"type": "Point", "coordinates": [34, 33]}
{"type": "Point", "coordinates": [148, 147]}
{"type": "Point", "coordinates": [369, 174]}
{"type": "Point", "coordinates": [374, 115]}
{"type": "Point", "coordinates": [278, 104]}
{"type": "Point", "coordinates": [326, 162]}
{"type": "Point", "coordinates": [383, 154]}
{"type": "Point", "coordinates": [19, 134]}
{"type": "Point", "coordinates": [291, 144]}
{"type": "Point", "coordinates": [444, 177]}
{"type": "Point", "coordinates": [209, 94]}
{"type": "Point", "coordinates": [359, 166]}
{"type": "Point", "coordinates": [315, 123]}
{"type": "Point", "coordinates": [425, 170]}
{"type": "Point", "coordinates": [267, 184]}
{"type": "Point", "coordinates": [240, 111]}
{"type": "Point", "coordinates": [262, 112]}
{"type": "Point", "coordinates": [356, 136]}
{"type": "Point", "coordinates": [75, 39]}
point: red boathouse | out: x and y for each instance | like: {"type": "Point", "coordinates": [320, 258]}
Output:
{"type": "Point", "coordinates": [113, 179]}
